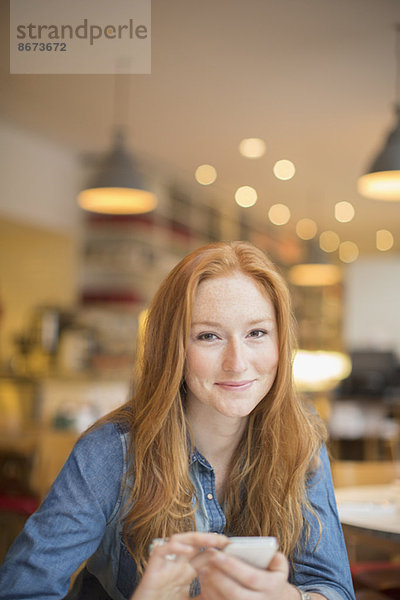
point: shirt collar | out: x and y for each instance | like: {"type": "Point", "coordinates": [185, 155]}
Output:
{"type": "Point", "coordinates": [197, 457]}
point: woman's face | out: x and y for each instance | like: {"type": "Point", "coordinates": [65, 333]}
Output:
{"type": "Point", "coordinates": [232, 353]}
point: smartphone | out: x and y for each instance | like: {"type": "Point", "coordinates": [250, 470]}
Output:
{"type": "Point", "coordinates": [255, 550]}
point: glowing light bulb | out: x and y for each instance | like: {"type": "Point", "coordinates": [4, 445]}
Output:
{"type": "Point", "coordinates": [252, 147]}
{"type": "Point", "coordinates": [344, 212]}
{"type": "Point", "coordinates": [279, 214]}
{"type": "Point", "coordinates": [246, 196]}
{"type": "Point", "coordinates": [306, 229]}
{"type": "Point", "coordinates": [329, 241]}
{"type": "Point", "coordinates": [348, 252]}
{"type": "Point", "coordinates": [205, 174]}
{"type": "Point", "coordinates": [284, 169]}
{"type": "Point", "coordinates": [384, 240]}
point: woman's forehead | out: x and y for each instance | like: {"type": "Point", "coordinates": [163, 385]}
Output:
{"type": "Point", "coordinates": [221, 280]}
{"type": "Point", "coordinates": [237, 293]}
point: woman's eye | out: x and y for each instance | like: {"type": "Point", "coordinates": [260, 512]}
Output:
{"type": "Point", "coordinates": [257, 333]}
{"type": "Point", "coordinates": [207, 337]}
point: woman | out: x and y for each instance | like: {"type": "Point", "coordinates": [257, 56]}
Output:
{"type": "Point", "coordinates": [213, 442]}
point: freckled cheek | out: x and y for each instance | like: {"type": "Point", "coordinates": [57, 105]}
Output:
{"type": "Point", "coordinates": [269, 363]}
{"type": "Point", "coordinates": [198, 366]}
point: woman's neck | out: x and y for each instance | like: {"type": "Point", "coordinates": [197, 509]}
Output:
{"type": "Point", "coordinates": [215, 436]}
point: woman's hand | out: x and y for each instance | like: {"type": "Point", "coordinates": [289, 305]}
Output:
{"type": "Point", "coordinates": [171, 567]}
{"type": "Point", "coordinates": [224, 577]}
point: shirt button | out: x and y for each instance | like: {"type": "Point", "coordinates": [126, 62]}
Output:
{"type": "Point", "coordinates": [210, 496]}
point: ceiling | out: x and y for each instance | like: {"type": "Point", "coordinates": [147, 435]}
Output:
{"type": "Point", "coordinates": [314, 78]}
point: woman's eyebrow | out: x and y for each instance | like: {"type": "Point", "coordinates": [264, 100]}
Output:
{"type": "Point", "coordinates": [262, 320]}
{"type": "Point", "coordinates": [205, 324]}
{"type": "Point", "coordinates": [257, 321]}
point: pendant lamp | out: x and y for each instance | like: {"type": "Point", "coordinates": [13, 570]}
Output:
{"type": "Point", "coordinates": [382, 179]}
{"type": "Point", "coordinates": [118, 187]}
{"type": "Point", "coordinates": [315, 270]}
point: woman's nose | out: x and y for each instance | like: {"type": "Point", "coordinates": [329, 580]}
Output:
{"type": "Point", "coordinates": [234, 359]}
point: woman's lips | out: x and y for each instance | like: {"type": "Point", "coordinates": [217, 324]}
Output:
{"type": "Point", "coordinates": [235, 385]}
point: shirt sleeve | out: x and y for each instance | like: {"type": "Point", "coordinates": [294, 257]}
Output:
{"type": "Point", "coordinates": [322, 565]}
{"type": "Point", "coordinates": [70, 523]}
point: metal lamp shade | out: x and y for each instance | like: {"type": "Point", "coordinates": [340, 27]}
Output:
{"type": "Point", "coordinates": [118, 187]}
{"type": "Point", "coordinates": [382, 180]}
{"type": "Point", "coordinates": [315, 270]}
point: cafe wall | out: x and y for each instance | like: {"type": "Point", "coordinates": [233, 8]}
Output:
{"type": "Point", "coordinates": [37, 267]}
{"type": "Point", "coordinates": [38, 180]}
{"type": "Point", "coordinates": [39, 226]}
{"type": "Point", "coordinates": [371, 303]}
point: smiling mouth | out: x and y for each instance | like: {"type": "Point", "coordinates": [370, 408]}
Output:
{"type": "Point", "coordinates": [235, 385]}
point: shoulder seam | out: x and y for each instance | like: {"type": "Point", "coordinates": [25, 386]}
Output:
{"type": "Point", "coordinates": [123, 441]}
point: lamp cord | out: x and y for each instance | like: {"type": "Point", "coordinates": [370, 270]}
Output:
{"type": "Point", "coordinates": [397, 63]}
{"type": "Point", "coordinates": [121, 99]}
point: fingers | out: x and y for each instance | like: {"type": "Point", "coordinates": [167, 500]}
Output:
{"type": "Point", "coordinates": [236, 570]}
{"type": "Point", "coordinates": [170, 571]}
{"type": "Point", "coordinates": [200, 539]}
{"type": "Point", "coordinates": [186, 545]}
{"type": "Point", "coordinates": [224, 576]}
{"type": "Point", "coordinates": [201, 560]}
{"type": "Point", "coordinates": [279, 563]}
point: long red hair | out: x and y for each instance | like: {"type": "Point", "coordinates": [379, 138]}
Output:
{"type": "Point", "coordinates": [266, 489]}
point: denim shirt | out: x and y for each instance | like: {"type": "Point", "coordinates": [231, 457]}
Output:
{"type": "Point", "coordinates": [80, 519]}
